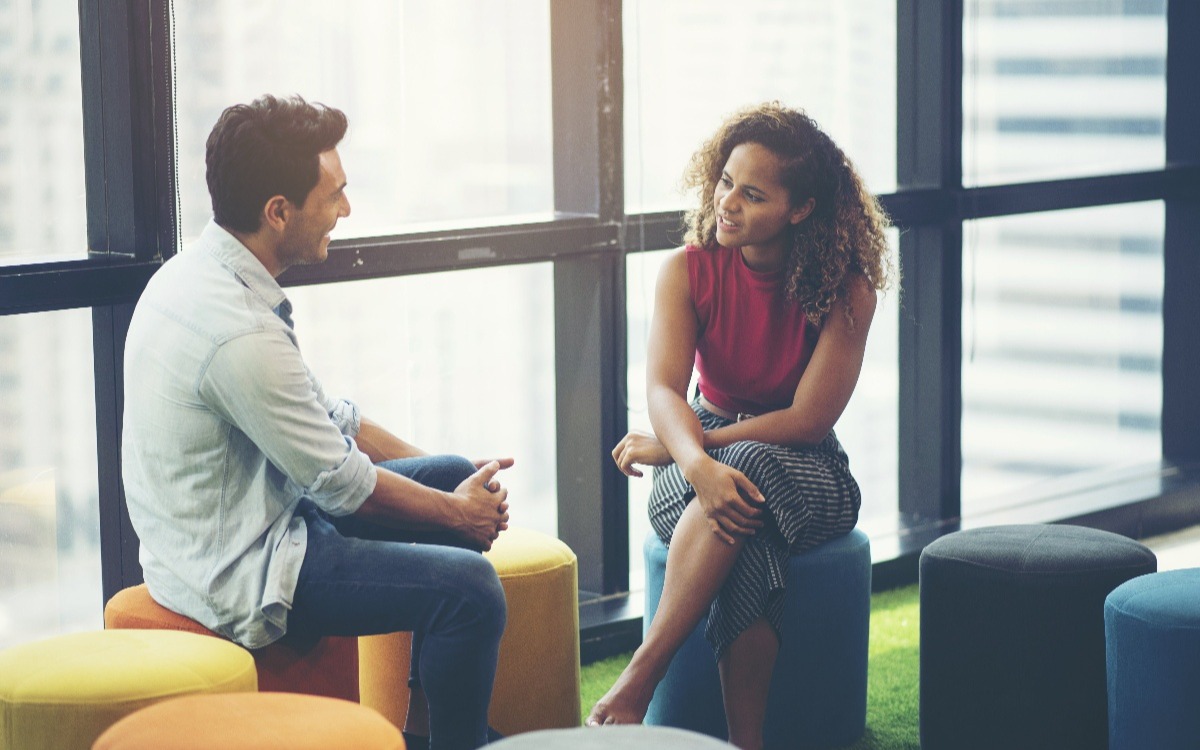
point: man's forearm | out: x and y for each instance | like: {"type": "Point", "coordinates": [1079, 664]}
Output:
{"type": "Point", "coordinates": [381, 445]}
{"type": "Point", "coordinates": [472, 512]}
{"type": "Point", "coordinates": [400, 502]}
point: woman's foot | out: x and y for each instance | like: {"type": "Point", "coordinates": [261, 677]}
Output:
{"type": "Point", "coordinates": [626, 702]}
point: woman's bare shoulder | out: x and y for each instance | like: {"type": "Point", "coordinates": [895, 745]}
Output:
{"type": "Point", "coordinates": [674, 268]}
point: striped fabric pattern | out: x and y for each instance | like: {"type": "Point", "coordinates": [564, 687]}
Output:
{"type": "Point", "coordinates": [811, 498]}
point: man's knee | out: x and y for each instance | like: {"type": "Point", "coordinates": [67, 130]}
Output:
{"type": "Point", "coordinates": [483, 593]}
{"type": "Point", "coordinates": [456, 465]}
{"type": "Point", "coordinates": [449, 470]}
{"type": "Point", "coordinates": [444, 472]}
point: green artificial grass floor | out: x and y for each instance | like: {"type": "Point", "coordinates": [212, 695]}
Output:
{"type": "Point", "coordinates": [891, 674]}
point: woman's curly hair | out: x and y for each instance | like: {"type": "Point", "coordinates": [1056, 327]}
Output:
{"type": "Point", "coordinates": [843, 235]}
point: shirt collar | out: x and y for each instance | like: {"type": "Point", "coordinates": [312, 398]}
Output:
{"type": "Point", "coordinates": [231, 253]}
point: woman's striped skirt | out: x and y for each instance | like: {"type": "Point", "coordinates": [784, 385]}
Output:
{"type": "Point", "coordinates": [810, 498]}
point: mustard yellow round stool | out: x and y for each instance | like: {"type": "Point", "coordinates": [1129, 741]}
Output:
{"type": "Point", "coordinates": [252, 721]}
{"type": "Point", "coordinates": [537, 678]}
{"type": "Point", "coordinates": [62, 692]}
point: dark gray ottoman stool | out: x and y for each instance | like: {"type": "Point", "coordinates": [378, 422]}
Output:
{"type": "Point", "coordinates": [1012, 636]}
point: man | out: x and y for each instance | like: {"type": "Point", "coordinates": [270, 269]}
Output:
{"type": "Point", "coordinates": [266, 507]}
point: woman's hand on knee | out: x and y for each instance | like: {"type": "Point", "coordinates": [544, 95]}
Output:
{"type": "Point", "coordinates": [639, 448]}
{"type": "Point", "coordinates": [731, 502]}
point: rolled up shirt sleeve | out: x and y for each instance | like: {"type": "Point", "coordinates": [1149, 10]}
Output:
{"type": "Point", "coordinates": [346, 416]}
{"type": "Point", "coordinates": [343, 412]}
{"type": "Point", "coordinates": [260, 384]}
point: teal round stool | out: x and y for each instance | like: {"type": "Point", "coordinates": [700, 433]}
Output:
{"type": "Point", "coordinates": [818, 695]}
{"type": "Point", "coordinates": [1152, 645]}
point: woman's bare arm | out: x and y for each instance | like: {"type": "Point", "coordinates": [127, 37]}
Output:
{"type": "Point", "coordinates": [728, 497]}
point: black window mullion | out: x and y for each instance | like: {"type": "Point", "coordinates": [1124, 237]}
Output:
{"type": "Point", "coordinates": [577, 38]}
{"type": "Point", "coordinates": [401, 255]}
{"type": "Point", "coordinates": [929, 158]}
{"type": "Point", "coordinates": [1181, 260]}
{"type": "Point", "coordinates": [593, 501]}
{"type": "Point", "coordinates": [1072, 193]}
{"type": "Point", "coordinates": [610, 112]}
{"type": "Point", "coordinates": [154, 108]}
{"type": "Point", "coordinates": [930, 408]}
{"type": "Point", "coordinates": [128, 163]}
{"type": "Point", "coordinates": [118, 542]}
{"type": "Point", "coordinates": [589, 291]}
{"type": "Point", "coordinates": [66, 286]}
{"type": "Point", "coordinates": [128, 140]}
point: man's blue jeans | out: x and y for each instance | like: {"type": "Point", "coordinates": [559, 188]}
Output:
{"type": "Point", "coordinates": [360, 578]}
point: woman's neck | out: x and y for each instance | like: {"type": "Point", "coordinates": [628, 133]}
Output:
{"type": "Point", "coordinates": [763, 258]}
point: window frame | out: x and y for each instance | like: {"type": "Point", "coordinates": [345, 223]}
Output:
{"type": "Point", "coordinates": [131, 219]}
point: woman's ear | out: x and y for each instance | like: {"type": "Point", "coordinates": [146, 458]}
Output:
{"type": "Point", "coordinates": [801, 212]}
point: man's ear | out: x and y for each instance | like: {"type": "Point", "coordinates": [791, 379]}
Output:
{"type": "Point", "coordinates": [801, 212]}
{"type": "Point", "coordinates": [276, 212]}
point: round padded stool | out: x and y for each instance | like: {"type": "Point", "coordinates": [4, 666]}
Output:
{"type": "Point", "coordinates": [1012, 635]}
{"type": "Point", "coordinates": [62, 692]}
{"type": "Point", "coordinates": [257, 721]}
{"type": "Point", "coordinates": [1152, 634]}
{"type": "Point", "coordinates": [611, 738]}
{"type": "Point", "coordinates": [818, 694]}
{"type": "Point", "coordinates": [537, 677]}
{"type": "Point", "coordinates": [327, 667]}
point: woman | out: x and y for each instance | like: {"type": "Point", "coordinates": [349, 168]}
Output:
{"type": "Point", "coordinates": [771, 301]}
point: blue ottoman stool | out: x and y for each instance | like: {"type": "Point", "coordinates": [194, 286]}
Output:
{"type": "Point", "coordinates": [818, 693]}
{"type": "Point", "coordinates": [1012, 636]}
{"type": "Point", "coordinates": [1152, 637]}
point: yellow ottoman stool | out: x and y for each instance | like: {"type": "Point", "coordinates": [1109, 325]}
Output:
{"type": "Point", "coordinates": [62, 692]}
{"type": "Point", "coordinates": [256, 721]}
{"type": "Point", "coordinates": [537, 679]}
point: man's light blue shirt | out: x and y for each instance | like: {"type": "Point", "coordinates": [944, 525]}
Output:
{"type": "Point", "coordinates": [225, 431]}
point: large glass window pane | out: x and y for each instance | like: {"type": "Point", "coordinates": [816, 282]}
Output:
{"type": "Point", "coordinates": [867, 429]}
{"type": "Point", "coordinates": [459, 362]}
{"type": "Point", "coordinates": [1059, 88]}
{"type": "Point", "coordinates": [448, 102]}
{"type": "Point", "coordinates": [42, 207]}
{"type": "Point", "coordinates": [1062, 349]}
{"type": "Point", "coordinates": [49, 513]}
{"type": "Point", "coordinates": [689, 64]}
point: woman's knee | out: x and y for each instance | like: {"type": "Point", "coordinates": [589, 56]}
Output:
{"type": "Point", "coordinates": [750, 457]}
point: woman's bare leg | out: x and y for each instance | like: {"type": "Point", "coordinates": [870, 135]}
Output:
{"type": "Point", "coordinates": [746, 668]}
{"type": "Point", "coordinates": [697, 564]}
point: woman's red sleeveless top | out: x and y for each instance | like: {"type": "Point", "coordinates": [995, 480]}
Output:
{"type": "Point", "coordinates": [753, 343]}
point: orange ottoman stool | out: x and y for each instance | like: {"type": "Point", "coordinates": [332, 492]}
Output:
{"type": "Point", "coordinates": [252, 721]}
{"type": "Point", "coordinates": [328, 667]}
